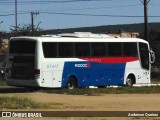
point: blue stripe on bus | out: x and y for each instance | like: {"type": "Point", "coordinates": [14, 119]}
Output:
{"type": "Point", "coordinates": [94, 74]}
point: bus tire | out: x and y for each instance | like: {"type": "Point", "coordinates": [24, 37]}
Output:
{"type": "Point", "coordinates": [129, 81]}
{"type": "Point", "coordinates": [72, 83]}
{"type": "Point", "coordinates": [101, 86]}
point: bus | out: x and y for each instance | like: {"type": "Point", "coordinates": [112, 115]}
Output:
{"type": "Point", "coordinates": [77, 60]}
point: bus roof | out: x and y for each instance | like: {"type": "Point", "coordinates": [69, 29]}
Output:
{"type": "Point", "coordinates": [75, 39]}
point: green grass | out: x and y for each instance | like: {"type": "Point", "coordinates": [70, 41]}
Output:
{"type": "Point", "coordinates": [20, 103]}
{"type": "Point", "coordinates": [119, 90]}
{"type": "Point", "coordinates": [2, 83]}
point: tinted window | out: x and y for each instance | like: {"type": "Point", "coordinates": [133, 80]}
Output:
{"type": "Point", "coordinates": [82, 49]}
{"type": "Point", "coordinates": [22, 47]}
{"type": "Point", "coordinates": [65, 49]}
{"type": "Point", "coordinates": [144, 54]}
{"type": "Point", "coordinates": [49, 49]}
{"type": "Point", "coordinates": [114, 49]}
{"type": "Point", "coordinates": [98, 49]}
{"type": "Point", "coordinates": [130, 49]}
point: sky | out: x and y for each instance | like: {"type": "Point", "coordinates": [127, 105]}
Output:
{"type": "Point", "coordinates": [58, 14]}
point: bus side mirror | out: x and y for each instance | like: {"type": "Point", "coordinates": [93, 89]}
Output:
{"type": "Point", "coordinates": [152, 56]}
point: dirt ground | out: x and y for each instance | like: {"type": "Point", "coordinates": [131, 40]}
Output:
{"type": "Point", "coordinates": [105, 102]}
{"type": "Point", "coordinates": [110, 102]}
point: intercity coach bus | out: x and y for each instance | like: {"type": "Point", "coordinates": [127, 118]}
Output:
{"type": "Point", "coordinates": [77, 60]}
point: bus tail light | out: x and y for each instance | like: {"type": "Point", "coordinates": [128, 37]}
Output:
{"type": "Point", "coordinates": [37, 72]}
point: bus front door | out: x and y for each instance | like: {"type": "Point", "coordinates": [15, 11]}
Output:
{"type": "Point", "coordinates": [145, 63]}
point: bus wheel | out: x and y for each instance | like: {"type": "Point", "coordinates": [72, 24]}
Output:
{"type": "Point", "coordinates": [129, 81]}
{"type": "Point", "coordinates": [71, 84]}
{"type": "Point", "coordinates": [101, 86]}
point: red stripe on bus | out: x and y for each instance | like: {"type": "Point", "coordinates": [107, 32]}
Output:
{"type": "Point", "coordinates": [112, 60]}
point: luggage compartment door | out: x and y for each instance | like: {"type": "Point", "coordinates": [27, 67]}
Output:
{"type": "Point", "coordinates": [47, 79]}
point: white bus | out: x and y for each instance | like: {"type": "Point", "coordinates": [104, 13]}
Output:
{"type": "Point", "coordinates": [77, 60]}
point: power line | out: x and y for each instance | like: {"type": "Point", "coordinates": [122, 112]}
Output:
{"type": "Point", "coordinates": [104, 15]}
{"type": "Point", "coordinates": [94, 8]}
{"type": "Point", "coordinates": [82, 14]}
{"type": "Point", "coordinates": [11, 14]}
{"type": "Point", "coordinates": [157, 5]}
{"type": "Point", "coordinates": [80, 9]}
{"type": "Point", "coordinates": [47, 2]}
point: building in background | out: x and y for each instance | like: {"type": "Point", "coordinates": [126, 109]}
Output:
{"type": "Point", "coordinates": [125, 34]}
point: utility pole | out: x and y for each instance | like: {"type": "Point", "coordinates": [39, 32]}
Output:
{"type": "Point", "coordinates": [16, 16]}
{"type": "Point", "coordinates": [32, 20]}
{"type": "Point", "coordinates": [1, 36]}
{"type": "Point", "coordinates": [146, 31]}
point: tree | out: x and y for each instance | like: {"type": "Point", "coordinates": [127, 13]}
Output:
{"type": "Point", "coordinates": [26, 30]}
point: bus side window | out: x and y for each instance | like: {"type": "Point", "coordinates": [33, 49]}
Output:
{"type": "Point", "coordinates": [98, 49]}
{"type": "Point", "coordinates": [130, 49]}
{"type": "Point", "coordinates": [49, 49]}
{"type": "Point", "coordinates": [82, 49]}
{"type": "Point", "coordinates": [115, 49]}
{"type": "Point", "coordinates": [65, 49]}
